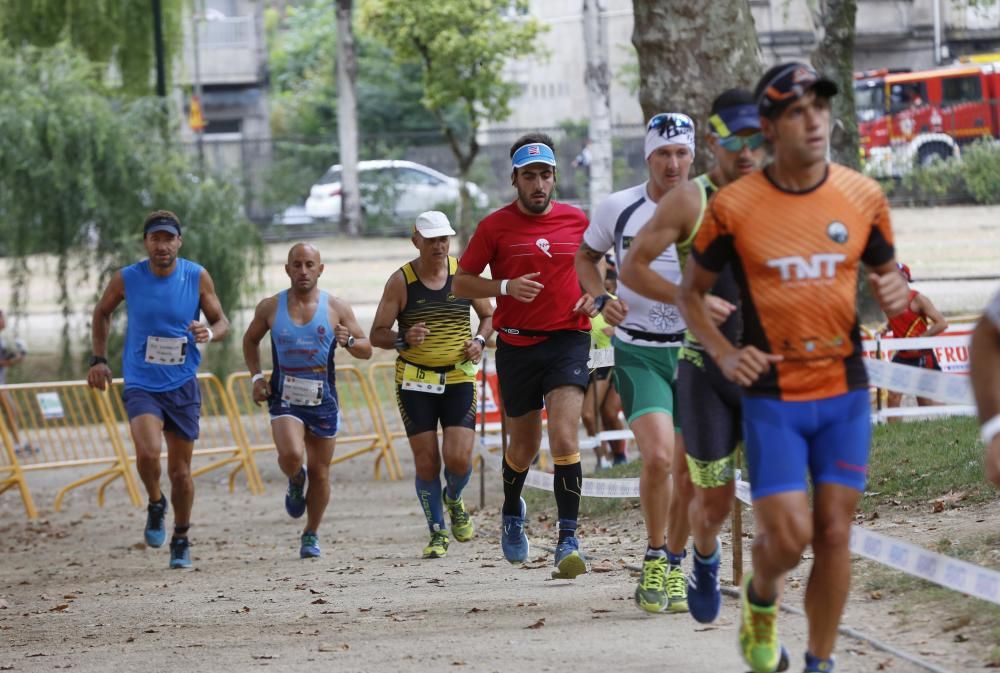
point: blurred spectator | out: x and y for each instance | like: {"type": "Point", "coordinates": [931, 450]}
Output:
{"type": "Point", "coordinates": [920, 319]}
{"type": "Point", "coordinates": [12, 352]}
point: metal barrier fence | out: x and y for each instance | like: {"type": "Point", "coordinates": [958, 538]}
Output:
{"type": "Point", "coordinates": [360, 420]}
{"type": "Point", "coordinates": [61, 424]}
{"type": "Point", "coordinates": [219, 435]}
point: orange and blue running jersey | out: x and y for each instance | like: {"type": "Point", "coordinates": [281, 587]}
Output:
{"type": "Point", "coordinates": [795, 256]}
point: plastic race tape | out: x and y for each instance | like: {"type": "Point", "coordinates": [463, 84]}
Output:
{"type": "Point", "coordinates": [938, 386]}
{"type": "Point", "coordinates": [937, 568]}
{"type": "Point", "coordinates": [916, 343]}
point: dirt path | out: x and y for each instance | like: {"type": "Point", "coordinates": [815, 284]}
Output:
{"type": "Point", "coordinates": [80, 591]}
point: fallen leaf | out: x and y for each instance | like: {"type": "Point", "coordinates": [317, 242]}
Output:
{"type": "Point", "coordinates": [961, 638]}
{"type": "Point", "coordinates": [598, 611]}
{"type": "Point", "coordinates": [4, 604]}
{"type": "Point", "coordinates": [602, 567]}
{"type": "Point", "coordinates": [59, 608]}
{"type": "Point", "coordinates": [875, 595]}
{"type": "Point", "coordinates": [537, 625]}
{"type": "Point", "coordinates": [474, 610]}
{"type": "Point", "coordinates": [263, 656]}
{"type": "Point", "coordinates": [364, 609]}
{"type": "Point", "coordinates": [320, 601]}
{"type": "Point", "coordinates": [458, 663]}
{"type": "Point", "coordinates": [329, 647]}
{"type": "Point", "coordinates": [527, 605]}
{"type": "Point", "coordinates": [130, 639]}
{"type": "Point", "coordinates": [69, 597]}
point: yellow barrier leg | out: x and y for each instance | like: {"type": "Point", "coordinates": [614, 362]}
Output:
{"type": "Point", "coordinates": [116, 471]}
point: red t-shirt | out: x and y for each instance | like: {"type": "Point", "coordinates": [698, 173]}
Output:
{"type": "Point", "coordinates": [513, 244]}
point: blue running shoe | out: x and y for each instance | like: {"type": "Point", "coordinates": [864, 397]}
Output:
{"type": "Point", "coordinates": [512, 537]}
{"type": "Point", "coordinates": [704, 594]}
{"type": "Point", "coordinates": [295, 496]}
{"type": "Point", "coordinates": [156, 532]}
{"type": "Point", "coordinates": [569, 561]}
{"type": "Point", "coordinates": [816, 665]}
{"type": "Point", "coordinates": [310, 546]}
{"type": "Point", "coordinates": [180, 552]}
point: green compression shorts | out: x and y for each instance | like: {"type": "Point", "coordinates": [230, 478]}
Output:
{"type": "Point", "coordinates": [644, 378]}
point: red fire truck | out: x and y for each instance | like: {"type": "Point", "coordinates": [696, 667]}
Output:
{"type": "Point", "coordinates": [914, 117]}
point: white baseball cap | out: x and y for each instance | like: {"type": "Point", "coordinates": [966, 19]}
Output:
{"type": "Point", "coordinates": [432, 224]}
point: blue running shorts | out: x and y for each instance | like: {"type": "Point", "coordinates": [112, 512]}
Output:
{"type": "Point", "coordinates": [178, 409]}
{"type": "Point", "coordinates": [827, 438]}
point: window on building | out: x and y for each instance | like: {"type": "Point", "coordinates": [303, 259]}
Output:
{"type": "Point", "coordinates": [224, 126]}
{"type": "Point", "coordinates": [907, 95]}
{"type": "Point", "coordinates": [961, 90]}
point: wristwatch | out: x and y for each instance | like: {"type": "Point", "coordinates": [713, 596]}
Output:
{"type": "Point", "coordinates": [481, 339]}
{"type": "Point", "coordinates": [599, 302]}
{"type": "Point", "coordinates": [400, 342]}
{"type": "Point", "coordinates": [97, 360]}
{"type": "Point", "coordinates": [350, 341]}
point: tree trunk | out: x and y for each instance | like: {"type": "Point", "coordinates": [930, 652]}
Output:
{"type": "Point", "coordinates": [689, 53]}
{"type": "Point", "coordinates": [834, 56]}
{"type": "Point", "coordinates": [347, 120]}
{"type": "Point", "coordinates": [598, 79]}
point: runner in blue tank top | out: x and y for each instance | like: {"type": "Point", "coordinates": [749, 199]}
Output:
{"type": "Point", "coordinates": [306, 326]}
{"type": "Point", "coordinates": [164, 296]}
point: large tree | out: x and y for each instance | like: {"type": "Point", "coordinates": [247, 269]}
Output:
{"type": "Point", "coordinates": [690, 52]}
{"type": "Point", "coordinates": [834, 55]}
{"type": "Point", "coordinates": [462, 46]}
{"type": "Point", "coordinates": [347, 119]}
{"type": "Point", "coordinates": [108, 32]}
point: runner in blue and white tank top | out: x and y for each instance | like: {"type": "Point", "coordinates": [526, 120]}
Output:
{"type": "Point", "coordinates": [648, 336]}
{"type": "Point", "coordinates": [304, 380]}
{"type": "Point", "coordinates": [164, 296]}
{"type": "Point", "coordinates": [306, 326]}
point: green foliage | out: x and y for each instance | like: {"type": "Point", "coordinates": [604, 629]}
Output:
{"type": "Point", "coordinates": [108, 32]}
{"type": "Point", "coordinates": [79, 171]}
{"type": "Point", "coordinates": [304, 99]}
{"type": "Point", "coordinates": [975, 177]}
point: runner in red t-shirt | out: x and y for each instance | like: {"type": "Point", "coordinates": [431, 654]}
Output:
{"type": "Point", "coordinates": [544, 338]}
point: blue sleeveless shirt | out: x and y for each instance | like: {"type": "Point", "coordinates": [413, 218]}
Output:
{"type": "Point", "coordinates": [304, 352]}
{"type": "Point", "coordinates": [160, 307]}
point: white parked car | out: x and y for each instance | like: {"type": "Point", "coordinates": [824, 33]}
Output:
{"type": "Point", "coordinates": [402, 189]}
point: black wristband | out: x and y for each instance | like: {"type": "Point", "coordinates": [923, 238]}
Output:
{"type": "Point", "coordinates": [97, 360]}
{"type": "Point", "coordinates": [400, 343]}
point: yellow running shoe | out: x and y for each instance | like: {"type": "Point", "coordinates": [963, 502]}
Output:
{"type": "Point", "coordinates": [461, 522]}
{"type": "Point", "coordinates": [677, 590]}
{"type": "Point", "coordinates": [759, 642]}
{"type": "Point", "coordinates": [651, 593]}
{"type": "Point", "coordinates": [438, 546]}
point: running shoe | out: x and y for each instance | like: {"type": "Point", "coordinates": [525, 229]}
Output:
{"type": "Point", "coordinates": [180, 552]}
{"type": "Point", "coordinates": [310, 546]}
{"type": "Point", "coordinates": [461, 522]}
{"type": "Point", "coordinates": [677, 590]}
{"type": "Point", "coordinates": [295, 496]}
{"type": "Point", "coordinates": [651, 593]}
{"type": "Point", "coordinates": [156, 531]}
{"type": "Point", "coordinates": [759, 642]}
{"type": "Point", "coordinates": [814, 665]}
{"type": "Point", "coordinates": [704, 594]}
{"type": "Point", "coordinates": [438, 546]}
{"type": "Point", "coordinates": [512, 538]}
{"type": "Point", "coordinates": [569, 561]}
{"type": "Point", "coordinates": [619, 459]}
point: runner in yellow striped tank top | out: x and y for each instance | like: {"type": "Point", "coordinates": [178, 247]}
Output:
{"type": "Point", "coordinates": [435, 373]}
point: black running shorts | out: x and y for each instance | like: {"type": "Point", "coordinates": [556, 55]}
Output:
{"type": "Point", "coordinates": [422, 412]}
{"type": "Point", "coordinates": [528, 373]}
{"type": "Point", "coordinates": [709, 415]}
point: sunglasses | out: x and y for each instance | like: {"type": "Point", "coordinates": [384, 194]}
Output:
{"type": "Point", "coordinates": [737, 143]}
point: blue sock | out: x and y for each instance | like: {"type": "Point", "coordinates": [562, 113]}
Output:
{"type": "Point", "coordinates": [456, 483]}
{"type": "Point", "coordinates": [817, 664]}
{"type": "Point", "coordinates": [675, 559]}
{"type": "Point", "coordinates": [429, 494]}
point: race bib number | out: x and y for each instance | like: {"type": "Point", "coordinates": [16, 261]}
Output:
{"type": "Point", "coordinates": [422, 380]}
{"type": "Point", "coordinates": [166, 350]}
{"type": "Point", "coordinates": [601, 358]}
{"type": "Point", "coordinates": [302, 392]}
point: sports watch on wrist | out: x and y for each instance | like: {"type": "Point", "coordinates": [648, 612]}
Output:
{"type": "Point", "coordinates": [350, 341]}
{"type": "Point", "coordinates": [599, 302]}
{"type": "Point", "coordinates": [97, 360]}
